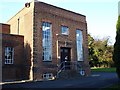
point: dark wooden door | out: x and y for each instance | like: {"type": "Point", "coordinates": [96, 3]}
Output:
{"type": "Point", "coordinates": [65, 57]}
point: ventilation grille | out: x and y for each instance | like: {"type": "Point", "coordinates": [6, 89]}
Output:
{"type": "Point", "coordinates": [48, 76]}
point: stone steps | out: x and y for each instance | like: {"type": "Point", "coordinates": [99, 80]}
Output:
{"type": "Point", "coordinates": [67, 74]}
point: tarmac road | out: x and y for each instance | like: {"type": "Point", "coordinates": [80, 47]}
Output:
{"type": "Point", "coordinates": [95, 80]}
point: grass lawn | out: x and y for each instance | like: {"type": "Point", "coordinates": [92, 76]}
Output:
{"type": "Point", "coordinates": [103, 69]}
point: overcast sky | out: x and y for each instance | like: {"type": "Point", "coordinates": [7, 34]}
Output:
{"type": "Point", "coordinates": [101, 15]}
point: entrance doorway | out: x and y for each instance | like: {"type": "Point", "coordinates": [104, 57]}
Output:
{"type": "Point", "coordinates": [65, 57]}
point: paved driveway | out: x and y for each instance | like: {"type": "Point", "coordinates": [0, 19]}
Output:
{"type": "Point", "coordinates": [96, 80]}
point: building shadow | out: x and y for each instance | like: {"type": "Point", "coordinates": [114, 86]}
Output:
{"type": "Point", "coordinates": [27, 61]}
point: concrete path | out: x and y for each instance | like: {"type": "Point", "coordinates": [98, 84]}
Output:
{"type": "Point", "coordinates": [96, 80]}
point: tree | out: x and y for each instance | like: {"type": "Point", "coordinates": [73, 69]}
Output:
{"type": "Point", "coordinates": [93, 59]}
{"type": "Point", "coordinates": [100, 53]}
{"type": "Point", "coordinates": [116, 54]}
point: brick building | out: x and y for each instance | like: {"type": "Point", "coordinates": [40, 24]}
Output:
{"type": "Point", "coordinates": [57, 39]}
{"type": "Point", "coordinates": [12, 54]}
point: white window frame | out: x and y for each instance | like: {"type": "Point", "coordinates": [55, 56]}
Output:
{"type": "Point", "coordinates": [8, 58]}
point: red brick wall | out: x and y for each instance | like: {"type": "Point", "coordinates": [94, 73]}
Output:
{"type": "Point", "coordinates": [13, 71]}
{"type": "Point", "coordinates": [5, 28]}
{"type": "Point", "coordinates": [57, 17]}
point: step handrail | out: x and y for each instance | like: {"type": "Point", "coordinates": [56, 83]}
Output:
{"type": "Point", "coordinates": [72, 64]}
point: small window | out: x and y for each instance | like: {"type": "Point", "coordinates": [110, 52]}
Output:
{"type": "Point", "coordinates": [66, 50]}
{"type": "Point", "coordinates": [9, 55]}
{"type": "Point", "coordinates": [64, 30]}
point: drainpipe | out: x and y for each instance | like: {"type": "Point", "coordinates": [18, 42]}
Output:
{"type": "Point", "coordinates": [18, 25]}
